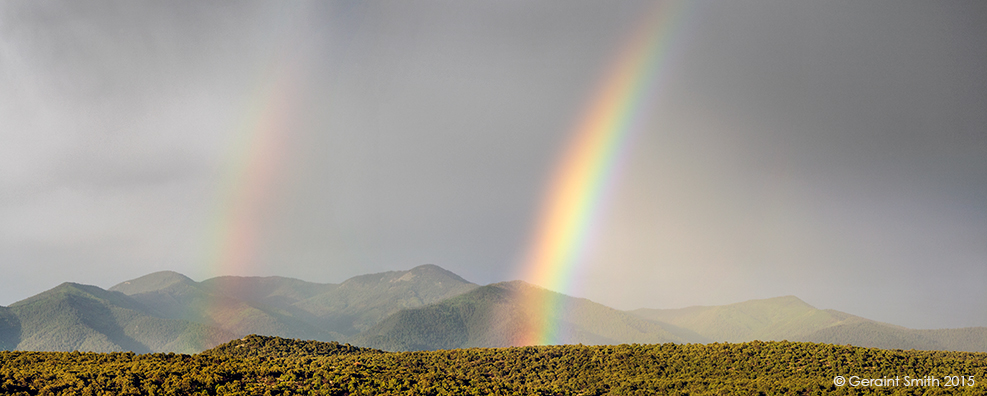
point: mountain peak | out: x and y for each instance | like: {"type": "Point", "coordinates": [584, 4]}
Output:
{"type": "Point", "coordinates": [425, 307]}
{"type": "Point", "coordinates": [501, 315]}
{"type": "Point", "coordinates": [775, 302]}
{"type": "Point", "coordinates": [434, 270]}
{"type": "Point", "coordinates": [62, 289]}
{"type": "Point", "coordinates": [151, 282]}
{"type": "Point", "coordinates": [67, 289]}
{"type": "Point", "coordinates": [428, 274]}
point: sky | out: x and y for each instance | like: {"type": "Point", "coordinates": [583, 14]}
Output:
{"type": "Point", "coordinates": [836, 151]}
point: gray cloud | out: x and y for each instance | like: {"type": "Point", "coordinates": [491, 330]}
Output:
{"type": "Point", "coordinates": [832, 151]}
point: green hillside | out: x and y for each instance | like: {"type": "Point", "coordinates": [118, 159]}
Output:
{"type": "Point", "coordinates": [238, 305]}
{"type": "Point", "coordinates": [87, 318]}
{"type": "Point", "coordinates": [274, 291]}
{"type": "Point", "coordinates": [287, 307]}
{"type": "Point", "coordinates": [497, 316]}
{"type": "Point", "coordinates": [10, 329]}
{"type": "Point", "coordinates": [424, 308]}
{"type": "Point", "coordinates": [152, 282]}
{"type": "Point", "coordinates": [363, 301]}
{"type": "Point", "coordinates": [290, 367]}
{"type": "Point", "coordinates": [167, 294]}
{"type": "Point", "coordinates": [167, 311]}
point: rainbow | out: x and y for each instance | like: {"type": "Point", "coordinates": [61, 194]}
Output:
{"type": "Point", "coordinates": [255, 161]}
{"type": "Point", "coordinates": [257, 149]}
{"type": "Point", "coordinates": [255, 158]}
{"type": "Point", "coordinates": [586, 173]}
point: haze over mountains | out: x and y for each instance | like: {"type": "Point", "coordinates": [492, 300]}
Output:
{"type": "Point", "coordinates": [423, 308]}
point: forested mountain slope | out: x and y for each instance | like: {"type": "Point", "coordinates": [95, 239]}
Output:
{"type": "Point", "coordinates": [82, 317]}
{"type": "Point", "coordinates": [167, 311]}
{"type": "Point", "coordinates": [424, 308]}
{"type": "Point", "coordinates": [363, 301]}
{"type": "Point", "coordinates": [220, 302]}
{"type": "Point", "coordinates": [499, 315]}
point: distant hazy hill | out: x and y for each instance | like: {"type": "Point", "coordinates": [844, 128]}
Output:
{"type": "Point", "coordinates": [497, 316]}
{"type": "Point", "coordinates": [869, 333]}
{"type": "Point", "coordinates": [769, 319]}
{"type": "Point", "coordinates": [789, 318]}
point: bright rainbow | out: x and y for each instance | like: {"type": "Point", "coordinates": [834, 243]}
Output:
{"type": "Point", "coordinates": [576, 197]}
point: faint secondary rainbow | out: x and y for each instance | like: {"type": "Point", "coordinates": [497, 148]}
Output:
{"type": "Point", "coordinates": [255, 158]}
{"type": "Point", "coordinates": [254, 164]}
{"type": "Point", "coordinates": [584, 177]}
{"type": "Point", "coordinates": [257, 150]}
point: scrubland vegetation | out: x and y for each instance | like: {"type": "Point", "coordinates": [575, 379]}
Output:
{"type": "Point", "coordinates": [258, 365]}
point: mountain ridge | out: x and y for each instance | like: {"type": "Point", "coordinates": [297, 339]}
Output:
{"type": "Point", "coordinates": [150, 282]}
{"type": "Point", "coordinates": [85, 317]}
{"type": "Point", "coordinates": [495, 315]}
{"type": "Point", "coordinates": [423, 308]}
{"type": "Point", "coordinates": [790, 318]}
{"type": "Point", "coordinates": [167, 311]}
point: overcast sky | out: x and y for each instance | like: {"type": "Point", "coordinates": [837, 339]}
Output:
{"type": "Point", "coordinates": [836, 151]}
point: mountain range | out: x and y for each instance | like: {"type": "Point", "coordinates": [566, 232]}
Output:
{"type": "Point", "coordinates": [424, 308]}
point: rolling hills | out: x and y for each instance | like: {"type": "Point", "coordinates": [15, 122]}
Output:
{"type": "Point", "coordinates": [496, 316]}
{"type": "Point", "coordinates": [216, 302]}
{"type": "Point", "coordinates": [363, 301]}
{"type": "Point", "coordinates": [73, 316]}
{"type": "Point", "coordinates": [789, 318]}
{"type": "Point", "coordinates": [169, 312]}
{"type": "Point", "coordinates": [424, 308]}
{"type": "Point", "coordinates": [768, 319]}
